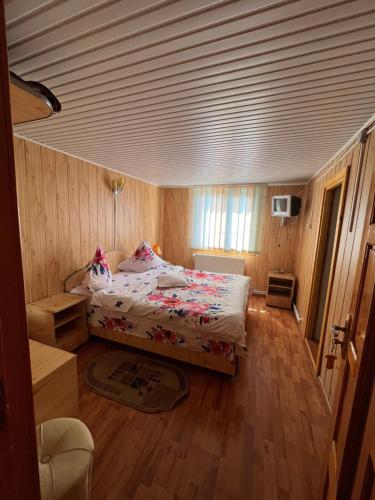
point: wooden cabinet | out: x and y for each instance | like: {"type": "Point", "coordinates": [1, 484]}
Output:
{"type": "Point", "coordinates": [55, 382]}
{"type": "Point", "coordinates": [280, 290]}
{"type": "Point", "coordinates": [59, 320]}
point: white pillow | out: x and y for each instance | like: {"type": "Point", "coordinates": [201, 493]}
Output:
{"type": "Point", "coordinates": [172, 280]}
{"type": "Point", "coordinates": [143, 259]}
{"type": "Point", "coordinates": [98, 274]}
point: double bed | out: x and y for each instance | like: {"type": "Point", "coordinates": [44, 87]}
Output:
{"type": "Point", "coordinates": [202, 323]}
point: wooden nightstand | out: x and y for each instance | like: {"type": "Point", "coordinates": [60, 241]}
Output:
{"type": "Point", "coordinates": [55, 382]}
{"type": "Point", "coordinates": [280, 290]}
{"type": "Point", "coordinates": [59, 321]}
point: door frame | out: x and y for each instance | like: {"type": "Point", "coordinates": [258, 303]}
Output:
{"type": "Point", "coordinates": [339, 179]}
{"type": "Point", "coordinates": [19, 476]}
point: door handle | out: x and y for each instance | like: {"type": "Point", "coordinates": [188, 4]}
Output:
{"type": "Point", "coordinates": [335, 331]}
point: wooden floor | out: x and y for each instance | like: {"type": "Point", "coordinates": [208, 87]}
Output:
{"type": "Point", "coordinates": [260, 437]}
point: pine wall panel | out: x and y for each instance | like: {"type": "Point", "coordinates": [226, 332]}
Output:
{"type": "Point", "coordinates": [310, 223]}
{"type": "Point", "coordinates": [358, 189]}
{"type": "Point", "coordinates": [279, 243]}
{"type": "Point", "coordinates": [66, 209]}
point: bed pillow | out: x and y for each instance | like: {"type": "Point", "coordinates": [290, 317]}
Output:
{"type": "Point", "coordinates": [143, 259]}
{"type": "Point", "coordinates": [172, 280]}
{"type": "Point", "coordinates": [98, 274]}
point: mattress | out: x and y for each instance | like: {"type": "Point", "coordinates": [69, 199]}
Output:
{"type": "Point", "coordinates": [211, 308]}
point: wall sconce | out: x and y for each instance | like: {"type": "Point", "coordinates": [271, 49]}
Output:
{"type": "Point", "coordinates": [156, 248]}
{"type": "Point", "coordinates": [118, 186]}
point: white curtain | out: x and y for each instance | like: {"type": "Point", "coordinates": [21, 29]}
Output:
{"type": "Point", "coordinates": [227, 218]}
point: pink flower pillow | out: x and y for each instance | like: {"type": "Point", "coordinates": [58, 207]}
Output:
{"type": "Point", "coordinates": [143, 259]}
{"type": "Point", "coordinates": [98, 274]}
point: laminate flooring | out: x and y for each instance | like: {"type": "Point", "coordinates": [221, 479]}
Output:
{"type": "Point", "coordinates": [260, 437]}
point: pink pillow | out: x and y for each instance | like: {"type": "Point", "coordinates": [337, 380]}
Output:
{"type": "Point", "coordinates": [98, 274]}
{"type": "Point", "coordinates": [143, 259]}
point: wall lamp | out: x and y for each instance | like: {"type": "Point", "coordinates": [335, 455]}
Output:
{"type": "Point", "coordinates": [118, 186]}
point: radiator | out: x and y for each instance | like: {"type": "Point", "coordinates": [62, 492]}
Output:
{"type": "Point", "coordinates": [219, 263]}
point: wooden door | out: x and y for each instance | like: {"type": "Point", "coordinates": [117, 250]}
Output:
{"type": "Point", "coordinates": [364, 484]}
{"type": "Point", "coordinates": [18, 463]}
{"type": "Point", "coordinates": [360, 161]}
{"type": "Point", "coordinates": [356, 375]}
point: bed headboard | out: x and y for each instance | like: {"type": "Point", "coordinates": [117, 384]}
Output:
{"type": "Point", "coordinates": [114, 257]}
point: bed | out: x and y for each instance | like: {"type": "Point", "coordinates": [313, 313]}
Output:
{"type": "Point", "coordinates": [202, 323]}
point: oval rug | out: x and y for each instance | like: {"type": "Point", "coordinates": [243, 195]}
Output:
{"type": "Point", "coordinates": [137, 380]}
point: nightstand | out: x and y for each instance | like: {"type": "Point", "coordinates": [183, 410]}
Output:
{"type": "Point", "coordinates": [59, 321]}
{"type": "Point", "coordinates": [280, 290]}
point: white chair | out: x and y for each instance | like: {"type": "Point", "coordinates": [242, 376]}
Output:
{"type": "Point", "coordinates": [65, 454]}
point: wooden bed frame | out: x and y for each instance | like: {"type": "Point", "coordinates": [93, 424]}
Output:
{"type": "Point", "coordinates": [206, 360]}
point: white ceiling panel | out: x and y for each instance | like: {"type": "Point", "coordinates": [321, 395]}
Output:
{"type": "Point", "coordinates": [184, 92]}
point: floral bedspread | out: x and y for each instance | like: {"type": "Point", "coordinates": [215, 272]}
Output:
{"type": "Point", "coordinates": [213, 303]}
{"type": "Point", "coordinates": [155, 332]}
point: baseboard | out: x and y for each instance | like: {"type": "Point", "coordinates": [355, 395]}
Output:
{"type": "Point", "coordinates": [326, 400]}
{"type": "Point", "coordinates": [296, 312]}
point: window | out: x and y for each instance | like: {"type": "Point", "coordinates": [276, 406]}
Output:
{"type": "Point", "coordinates": [227, 218]}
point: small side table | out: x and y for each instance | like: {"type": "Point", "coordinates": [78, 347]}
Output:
{"type": "Point", "coordinates": [59, 321]}
{"type": "Point", "coordinates": [280, 290]}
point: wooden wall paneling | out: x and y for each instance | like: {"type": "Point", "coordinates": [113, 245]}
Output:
{"type": "Point", "coordinates": [129, 201]}
{"type": "Point", "coordinates": [351, 251]}
{"type": "Point", "coordinates": [109, 235]}
{"type": "Point", "coordinates": [66, 254]}
{"type": "Point", "coordinates": [93, 207]}
{"type": "Point", "coordinates": [36, 214]}
{"type": "Point", "coordinates": [308, 246]}
{"type": "Point", "coordinates": [341, 272]}
{"type": "Point", "coordinates": [72, 208]}
{"type": "Point", "coordinates": [102, 193]}
{"type": "Point", "coordinates": [161, 218]}
{"type": "Point", "coordinates": [66, 209]}
{"type": "Point", "coordinates": [139, 213]}
{"type": "Point", "coordinates": [279, 243]}
{"type": "Point", "coordinates": [348, 249]}
{"type": "Point", "coordinates": [22, 192]}
{"type": "Point", "coordinates": [121, 221]}
{"type": "Point", "coordinates": [135, 237]}
{"type": "Point", "coordinates": [176, 237]}
{"type": "Point", "coordinates": [49, 193]}
{"type": "Point", "coordinates": [84, 210]}
{"type": "Point", "coordinates": [363, 193]}
{"type": "Point", "coordinates": [304, 257]}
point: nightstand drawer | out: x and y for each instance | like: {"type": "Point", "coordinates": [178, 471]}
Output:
{"type": "Point", "coordinates": [276, 301]}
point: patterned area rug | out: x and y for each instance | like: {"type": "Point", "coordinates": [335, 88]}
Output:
{"type": "Point", "coordinates": [137, 380]}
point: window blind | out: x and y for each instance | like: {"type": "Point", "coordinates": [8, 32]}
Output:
{"type": "Point", "coordinates": [227, 218]}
